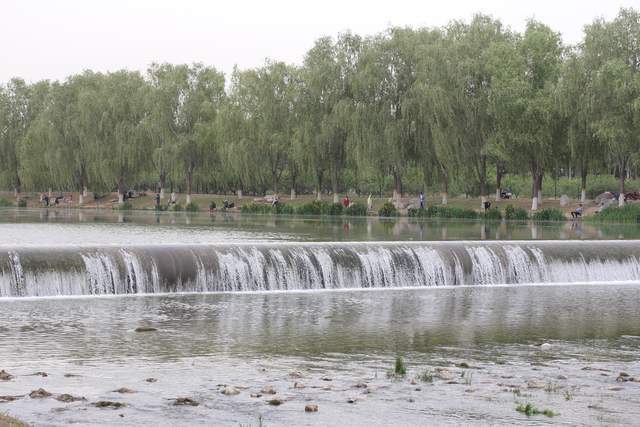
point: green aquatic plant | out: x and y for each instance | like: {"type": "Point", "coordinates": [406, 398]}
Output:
{"type": "Point", "coordinates": [529, 410]}
{"type": "Point", "coordinates": [512, 213]}
{"type": "Point", "coordinates": [4, 203]}
{"type": "Point", "coordinates": [192, 207]}
{"type": "Point", "coordinates": [400, 368]}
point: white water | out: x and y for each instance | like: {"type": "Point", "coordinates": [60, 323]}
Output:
{"type": "Point", "coordinates": [268, 267]}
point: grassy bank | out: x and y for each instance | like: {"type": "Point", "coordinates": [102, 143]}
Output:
{"type": "Point", "coordinates": [460, 207]}
{"type": "Point", "coordinates": [7, 421]}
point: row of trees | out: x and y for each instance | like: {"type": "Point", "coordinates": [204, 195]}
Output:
{"type": "Point", "coordinates": [437, 106]}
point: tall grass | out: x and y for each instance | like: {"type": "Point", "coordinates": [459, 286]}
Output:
{"type": "Point", "coordinates": [627, 213]}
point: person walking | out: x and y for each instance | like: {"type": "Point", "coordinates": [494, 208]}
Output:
{"type": "Point", "coordinates": [421, 200]}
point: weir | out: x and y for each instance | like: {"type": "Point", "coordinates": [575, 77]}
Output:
{"type": "Point", "coordinates": [76, 270]}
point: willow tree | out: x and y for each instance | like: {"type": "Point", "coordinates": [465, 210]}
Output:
{"type": "Point", "coordinates": [265, 98]}
{"type": "Point", "coordinates": [20, 105]}
{"type": "Point", "coordinates": [386, 73]}
{"type": "Point", "coordinates": [525, 78]}
{"type": "Point", "coordinates": [467, 79]}
{"type": "Point", "coordinates": [189, 98]}
{"type": "Point", "coordinates": [576, 91]}
{"type": "Point", "coordinates": [613, 50]}
{"type": "Point", "coordinates": [327, 106]}
{"type": "Point", "coordinates": [121, 142]}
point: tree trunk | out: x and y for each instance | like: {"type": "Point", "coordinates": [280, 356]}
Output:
{"type": "Point", "coordinates": [397, 185]}
{"type": "Point", "coordinates": [161, 183]}
{"type": "Point", "coordinates": [189, 182]}
{"type": "Point", "coordinates": [499, 170]}
{"type": "Point", "coordinates": [583, 184]}
{"type": "Point", "coordinates": [535, 171]}
{"type": "Point", "coordinates": [622, 164]}
{"type": "Point", "coordinates": [539, 186]}
{"type": "Point", "coordinates": [319, 175]}
{"type": "Point", "coordinates": [334, 186]}
{"type": "Point", "coordinates": [445, 187]}
{"type": "Point", "coordinates": [121, 189]}
{"type": "Point", "coordinates": [239, 194]}
{"type": "Point", "coordinates": [274, 182]}
{"type": "Point", "coordinates": [482, 180]}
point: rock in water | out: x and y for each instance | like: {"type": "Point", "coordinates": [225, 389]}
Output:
{"type": "Point", "coordinates": [151, 380]}
{"type": "Point", "coordinates": [146, 329]}
{"type": "Point", "coordinates": [268, 390]}
{"type": "Point", "coordinates": [5, 376]}
{"type": "Point", "coordinates": [187, 401]}
{"type": "Point", "coordinates": [230, 391]}
{"type": "Point", "coordinates": [311, 408]}
{"type": "Point", "coordinates": [545, 346]}
{"type": "Point", "coordinates": [124, 390]}
{"type": "Point", "coordinates": [67, 398]}
{"type": "Point", "coordinates": [275, 402]}
{"type": "Point", "coordinates": [298, 385]}
{"type": "Point", "coordinates": [39, 394]}
{"type": "Point", "coordinates": [109, 404]}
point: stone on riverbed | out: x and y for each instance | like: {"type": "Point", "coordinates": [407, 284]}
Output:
{"type": "Point", "coordinates": [39, 394]}
{"type": "Point", "coordinates": [5, 376]}
{"type": "Point", "coordinates": [67, 398]}
{"type": "Point", "coordinates": [311, 408]}
{"type": "Point", "coordinates": [268, 390]}
{"type": "Point", "coordinates": [151, 380]}
{"type": "Point", "coordinates": [230, 390]}
{"type": "Point", "coordinates": [124, 390]}
{"type": "Point", "coordinates": [186, 401]}
{"type": "Point", "coordinates": [146, 329]}
{"type": "Point", "coordinates": [109, 404]}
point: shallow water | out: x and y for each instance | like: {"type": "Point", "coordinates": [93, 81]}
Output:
{"type": "Point", "coordinates": [69, 226]}
{"type": "Point", "coordinates": [258, 339]}
{"type": "Point", "coordinates": [481, 345]}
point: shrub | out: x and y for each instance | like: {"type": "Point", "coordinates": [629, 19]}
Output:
{"type": "Point", "coordinates": [126, 206]}
{"type": "Point", "coordinates": [627, 213]}
{"type": "Point", "coordinates": [388, 210]}
{"type": "Point", "coordinates": [256, 208]}
{"type": "Point", "coordinates": [22, 203]}
{"type": "Point", "coordinates": [4, 203]}
{"type": "Point", "coordinates": [513, 213]}
{"type": "Point", "coordinates": [192, 207]}
{"type": "Point", "coordinates": [451, 212]}
{"type": "Point", "coordinates": [177, 207]}
{"type": "Point", "coordinates": [284, 209]}
{"type": "Point", "coordinates": [356, 209]}
{"type": "Point", "coordinates": [549, 214]}
{"type": "Point", "coordinates": [491, 214]}
{"type": "Point", "coordinates": [314, 208]}
{"type": "Point", "coordinates": [333, 209]}
{"type": "Point", "coordinates": [418, 213]}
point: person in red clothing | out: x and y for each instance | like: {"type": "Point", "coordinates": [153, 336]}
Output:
{"type": "Point", "coordinates": [346, 202]}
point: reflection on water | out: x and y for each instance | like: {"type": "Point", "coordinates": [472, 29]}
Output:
{"type": "Point", "coordinates": [315, 323]}
{"type": "Point", "coordinates": [236, 226]}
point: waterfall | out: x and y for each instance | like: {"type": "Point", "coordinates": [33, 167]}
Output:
{"type": "Point", "coordinates": [42, 271]}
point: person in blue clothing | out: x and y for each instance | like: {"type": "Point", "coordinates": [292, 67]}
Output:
{"type": "Point", "coordinates": [421, 200]}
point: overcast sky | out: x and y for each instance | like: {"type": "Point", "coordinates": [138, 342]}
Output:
{"type": "Point", "coordinates": [51, 39]}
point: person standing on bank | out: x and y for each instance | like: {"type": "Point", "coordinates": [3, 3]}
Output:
{"type": "Point", "coordinates": [421, 200]}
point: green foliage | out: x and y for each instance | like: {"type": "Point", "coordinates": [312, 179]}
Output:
{"type": "Point", "coordinates": [548, 214]}
{"type": "Point", "coordinates": [627, 213]}
{"type": "Point", "coordinates": [529, 410]}
{"type": "Point", "coordinates": [399, 367]}
{"type": "Point", "coordinates": [492, 214]}
{"type": "Point", "coordinates": [333, 209]}
{"type": "Point", "coordinates": [512, 213]}
{"type": "Point", "coordinates": [192, 207]}
{"type": "Point", "coordinates": [314, 208]}
{"type": "Point", "coordinates": [176, 207]}
{"type": "Point", "coordinates": [387, 210]}
{"type": "Point", "coordinates": [22, 203]}
{"type": "Point", "coordinates": [284, 209]}
{"type": "Point", "coordinates": [451, 212]}
{"type": "Point", "coordinates": [417, 213]}
{"type": "Point", "coordinates": [356, 209]}
{"type": "Point", "coordinates": [256, 208]}
{"type": "Point", "coordinates": [160, 208]}
{"type": "Point", "coordinates": [126, 206]}
{"type": "Point", "coordinates": [4, 203]}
